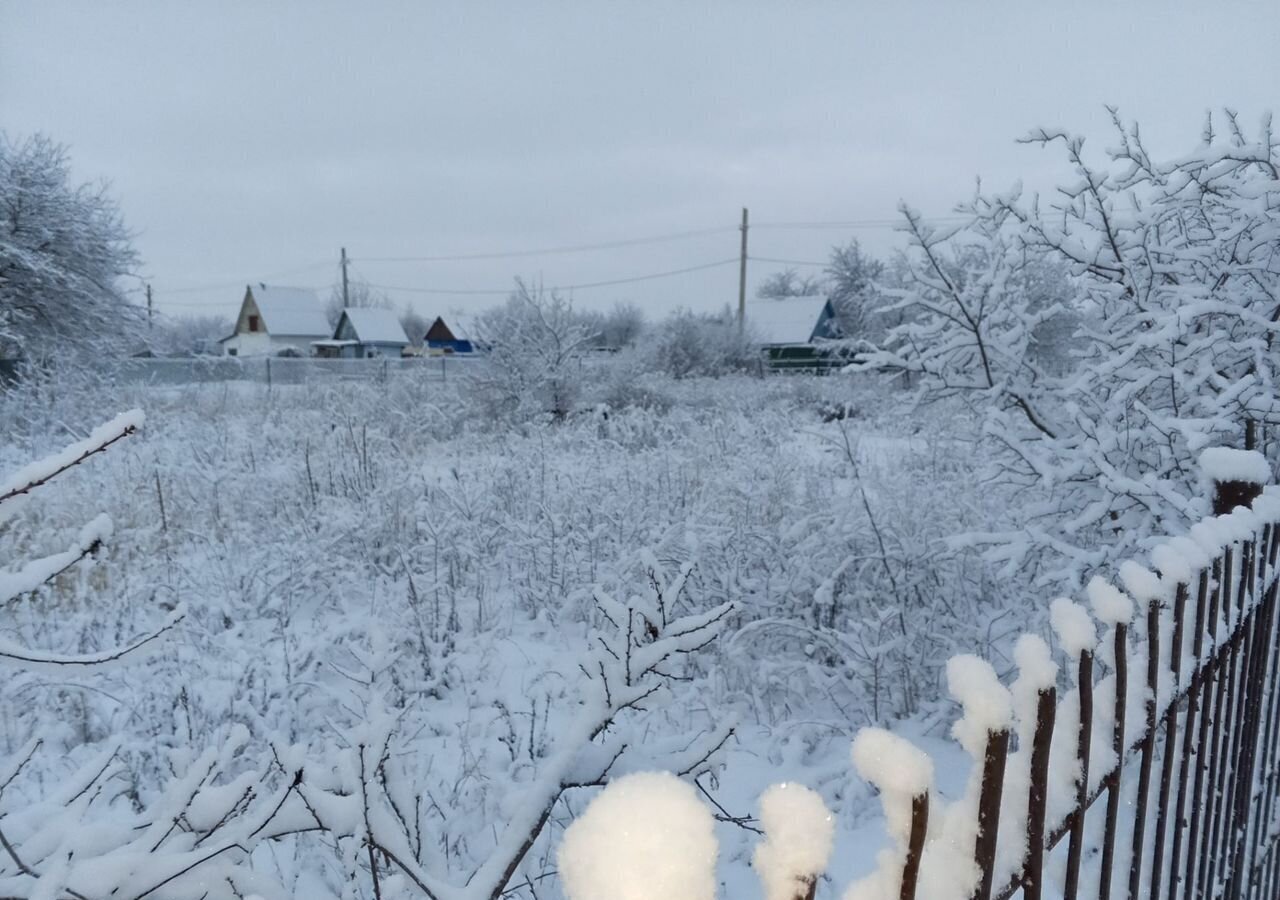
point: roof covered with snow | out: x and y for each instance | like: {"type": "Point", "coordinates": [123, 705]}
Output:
{"type": "Point", "coordinates": [789, 321]}
{"type": "Point", "coordinates": [375, 326]}
{"type": "Point", "coordinates": [288, 310]}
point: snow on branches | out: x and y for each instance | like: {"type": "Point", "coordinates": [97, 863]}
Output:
{"type": "Point", "coordinates": [1168, 288]}
{"type": "Point", "coordinates": [356, 797]}
{"type": "Point", "coordinates": [31, 575]}
{"type": "Point", "coordinates": [634, 653]}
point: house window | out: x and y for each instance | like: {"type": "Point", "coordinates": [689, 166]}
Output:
{"type": "Point", "coordinates": [253, 323]}
{"type": "Point", "coordinates": [232, 352]}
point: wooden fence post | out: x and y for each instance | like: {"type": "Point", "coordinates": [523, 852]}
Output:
{"type": "Point", "coordinates": [989, 809]}
{"type": "Point", "coordinates": [1170, 743]}
{"type": "Point", "coordinates": [1148, 752]}
{"type": "Point", "coordinates": [1117, 746]}
{"type": "Point", "coordinates": [1084, 686]}
{"type": "Point", "coordinates": [915, 846]}
{"type": "Point", "coordinates": [1205, 679]}
{"type": "Point", "coordinates": [1037, 802]}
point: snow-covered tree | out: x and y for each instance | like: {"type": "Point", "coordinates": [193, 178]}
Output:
{"type": "Point", "coordinates": [852, 282]}
{"type": "Point", "coordinates": [360, 295]}
{"type": "Point", "coordinates": [620, 327]}
{"type": "Point", "coordinates": [187, 335]}
{"type": "Point", "coordinates": [414, 323]}
{"type": "Point", "coordinates": [63, 252]}
{"type": "Point", "coordinates": [1174, 280]}
{"type": "Point", "coordinates": [789, 283]}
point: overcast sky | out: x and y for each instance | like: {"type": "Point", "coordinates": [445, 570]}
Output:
{"type": "Point", "coordinates": [249, 141]}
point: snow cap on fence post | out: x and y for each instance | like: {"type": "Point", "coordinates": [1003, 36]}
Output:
{"type": "Point", "coordinates": [1267, 506]}
{"type": "Point", "coordinates": [987, 704]}
{"type": "Point", "coordinates": [899, 769]}
{"type": "Point", "coordinates": [1141, 583]}
{"type": "Point", "coordinates": [1036, 672]}
{"type": "Point", "coordinates": [1073, 626]}
{"type": "Point", "coordinates": [1210, 536]}
{"type": "Point", "coordinates": [902, 772]}
{"type": "Point", "coordinates": [1179, 559]}
{"type": "Point", "coordinates": [1111, 605]}
{"type": "Point", "coordinates": [798, 834]}
{"type": "Point", "coordinates": [1233, 477]}
{"type": "Point", "coordinates": [646, 836]}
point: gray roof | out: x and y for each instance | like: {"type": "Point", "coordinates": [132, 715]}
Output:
{"type": "Point", "coordinates": [290, 311]}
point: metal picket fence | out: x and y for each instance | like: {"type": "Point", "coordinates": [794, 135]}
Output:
{"type": "Point", "coordinates": [282, 370]}
{"type": "Point", "coordinates": [1201, 818]}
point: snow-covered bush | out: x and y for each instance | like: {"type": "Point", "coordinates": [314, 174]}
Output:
{"type": "Point", "coordinates": [533, 357]}
{"type": "Point", "coordinates": [347, 548]}
{"type": "Point", "coordinates": [687, 344]}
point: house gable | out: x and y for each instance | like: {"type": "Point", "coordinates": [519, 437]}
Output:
{"type": "Point", "coordinates": [439, 331]}
{"type": "Point", "coordinates": [345, 330]}
{"type": "Point", "coordinates": [249, 321]}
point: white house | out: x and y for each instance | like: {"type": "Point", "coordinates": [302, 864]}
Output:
{"type": "Point", "coordinates": [364, 333]}
{"type": "Point", "coordinates": [275, 319]}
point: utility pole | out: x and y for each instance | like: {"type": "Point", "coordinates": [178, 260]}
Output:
{"type": "Point", "coordinates": [344, 278]}
{"type": "Point", "coordinates": [149, 305]}
{"type": "Point", "coordinates": [742, 277]}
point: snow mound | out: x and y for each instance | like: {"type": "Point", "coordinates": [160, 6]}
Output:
{"type": "Point", "coordinates": [646, 836]}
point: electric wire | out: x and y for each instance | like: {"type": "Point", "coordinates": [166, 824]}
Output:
{"type": "Point", "coordinates": [787, 262]}
{"type": "Point", "coordinates": [163, 293]}
{"type": "Point", "coordinates": [558, 287]}
{"type": "Point", "coordinates": [859, 223]}
{"type": "Point", "coordinates": [547, 251]}
{"type": "Point", "coordinates": [227, 285]}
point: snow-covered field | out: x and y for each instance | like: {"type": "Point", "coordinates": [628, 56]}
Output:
{"type": "Point", "coordinates": [352, 545]}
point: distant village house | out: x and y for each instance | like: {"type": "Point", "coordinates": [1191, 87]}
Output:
{"type": "Point", "coordinates": [364, 333]}
{"type": "Point", "coordinates": [276, 320]}
{"type": "Point", "coordinates": [790, 331]}
{"type": "Point", "coordinates": [441, 339]}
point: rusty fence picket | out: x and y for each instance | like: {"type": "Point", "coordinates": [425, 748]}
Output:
{"type": "Point", "coordinates": [1201, 775]}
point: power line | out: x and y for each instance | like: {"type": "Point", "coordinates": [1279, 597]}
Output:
{"type": "Point", "coordinates": [225, 301]}
{"type": "Point", "coordinates": [227, 285]}
{"type": "Point", "coordinates": [860, 223]}
{"type": "Point", "coordinates": [789, 262]}
{"type": "Point", "coordinates": [574, 248]}
{"type": "Point", "coordinates": [559, 287]}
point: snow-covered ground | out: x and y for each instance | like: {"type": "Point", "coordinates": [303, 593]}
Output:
{"type": "Point", "coordinates": [345, 545]}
